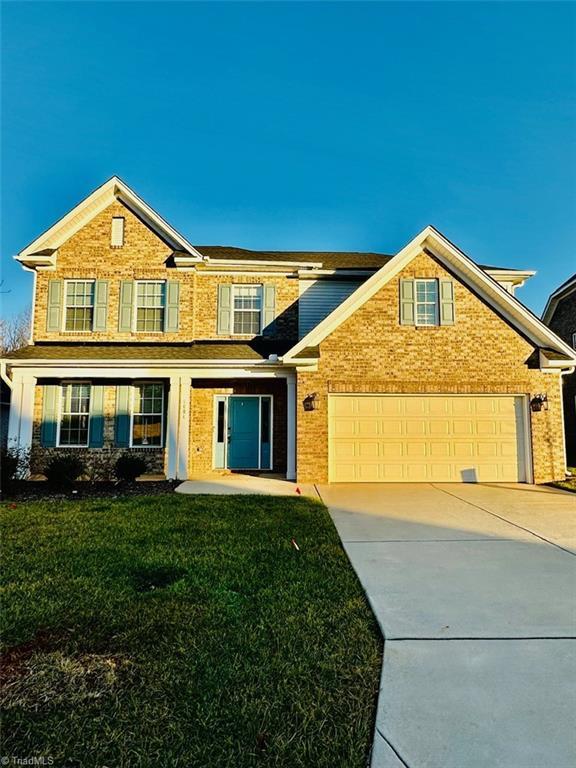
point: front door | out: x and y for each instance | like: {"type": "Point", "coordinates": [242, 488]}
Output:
{"type": "Point", "coordinates": [243, 431]}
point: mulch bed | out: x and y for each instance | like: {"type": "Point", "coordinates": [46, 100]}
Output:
{"type": "Point", "coordinates": [29, 490]}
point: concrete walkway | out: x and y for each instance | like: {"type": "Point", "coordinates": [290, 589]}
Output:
{"type": "Point", "coordinates": [474, 588]}
{"type": "Point", "coordinates": [232, 484]}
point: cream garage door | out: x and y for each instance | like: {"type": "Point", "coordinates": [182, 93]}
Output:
{"type": "Point", "coordinates": [424, 438]}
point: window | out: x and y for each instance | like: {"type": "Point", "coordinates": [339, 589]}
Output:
{"type": "Point", "coordinates": [246, 308]}
{"type": "Point", "coordinates": [426, 302]}
{"type": "Point", "coordinates": [74, 414]}
{"type": "Point", "coordinates": [574, 339]}
{"type": "Point", "coordinates": [79, 312]}
{"type": "Point", "coordinates": [150, 304]}
{"type": "Point", "coordinates": [148, 414]}
{"type": "Point", "coordinates": [117, 233]}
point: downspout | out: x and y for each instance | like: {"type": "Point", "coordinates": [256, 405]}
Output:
{"type": "Point", "coordinates": [564, 372]}
{"type": "Point", "coordinates": [4, 375]}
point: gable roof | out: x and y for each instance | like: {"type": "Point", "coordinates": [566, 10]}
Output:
{"type": "Point", "coordinates": [436, 244]}
{"type": "Point", "coordinates": [568, 287]}
{"type": "Point", "coordinates": [41, 251]}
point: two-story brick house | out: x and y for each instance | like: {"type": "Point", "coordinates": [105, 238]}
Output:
{"type": "Point", "coordinates": [321, 366]}
{"type": "Point", "coordinates": [560, 315]}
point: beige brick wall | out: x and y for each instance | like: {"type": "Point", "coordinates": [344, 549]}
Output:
{"type": "Point", "coordinates": [202, 419]}
{"type": "Point", "coordinates": [372, 352]}
{"type": "Point", "coordinates": [89, 255]}
{"type": "Point", "coordinates": [155, 457]}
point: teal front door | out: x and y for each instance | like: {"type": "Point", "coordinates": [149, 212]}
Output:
{"type": "Point", "coordinates": [243, 432]}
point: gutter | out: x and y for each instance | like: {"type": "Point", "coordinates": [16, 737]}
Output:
{"type": "Point", "coordinates": [138, 363]}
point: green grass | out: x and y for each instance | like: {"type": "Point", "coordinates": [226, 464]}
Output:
{"type": "Point", "coordinates": [184, 631]}
{"type": "Point", "coordinates": [569, 484]}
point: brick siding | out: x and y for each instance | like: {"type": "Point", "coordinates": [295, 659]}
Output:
{"type": "Point", "coordinates": [372, 352]}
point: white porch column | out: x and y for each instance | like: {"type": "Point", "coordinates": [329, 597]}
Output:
{"type": "Point", "coordinates": [184, 428]}
{"type": "Point", "coordinates": [178, 428]}
{"type": "Point", "coordinates": [21, 419]}
{"type": "Point", "coordinates": [172, 428]}
{"type": "Point", "coordinates": [291, 427]}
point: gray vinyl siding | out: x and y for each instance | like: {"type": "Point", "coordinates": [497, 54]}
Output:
{"type": "Point", "coordinates": [320, 297]}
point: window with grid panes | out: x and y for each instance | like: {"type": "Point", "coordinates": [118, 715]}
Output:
{"type": "Point", "coordinates": [148, 414]}
{"type": "Point", "coordinates": [150, 304]}
{"type": "Point", "coordinates": [74, 414]}
{"type": "Point", "coordinates": [247, 308]}
{"type": "Point", "coordinates": [79, 305]}
{"type": "Point", "coordinates": [426, 302]}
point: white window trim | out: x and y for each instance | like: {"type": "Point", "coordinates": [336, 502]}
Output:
{"type": "Point", "coordinates": [65, 299]}
{"type": "Point", "coordinates": [416, 302]}
{"type": "Point", "coordinates": [135, 308]}
{"type": "Point", "coordinates": [226, 399]}
{"type": "Point", "coordinates": [61, 413]}
{"type": "Point", "coordinates": [260, 287]}
{"type": "Point", "coordinates": [133, 389]}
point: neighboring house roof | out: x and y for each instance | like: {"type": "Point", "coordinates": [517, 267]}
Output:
{"type": "Point", "coordinates": [564, 290]}
{"type": "Point", "coordinates": [433, 242]}
{"type": "Point", "coordinates": [258, 349]}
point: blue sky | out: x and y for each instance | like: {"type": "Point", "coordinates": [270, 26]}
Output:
{"type": "Point", "coordinates": [300, 126]}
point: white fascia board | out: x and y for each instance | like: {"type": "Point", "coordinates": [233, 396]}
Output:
{"type": "Point", "coordinates": [91, 206]}
{"type": "Point", "coordinates": [141, 371]}
{"type": "Point", "coordinates": [464, 268]}
{"type": "Point", "coordinates": [71, 363]}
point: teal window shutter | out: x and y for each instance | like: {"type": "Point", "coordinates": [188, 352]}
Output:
{"type": "Point", "coordinates": [125, 311]}
{"type": "Point", "coordinates": [171, 320]}
{"type": "Point", "coordinates": [224, 309]}
{"type": "Point", "coordinates": [49, 424]}
{"type": "Point", "coordinates": [100, 305]}
{"type": "Point", "coordinates": [96, 427]}
{"type": "Point", "coordinates": [407, 315]}
{"type": "Point", "coordinates": [55, 295]}
{"type": "Point", "coordinates": [447, 313]}
{"type": "Point", "coordinates": [268, 309]}
{"type": "Point", "coordinates": [122, 425]}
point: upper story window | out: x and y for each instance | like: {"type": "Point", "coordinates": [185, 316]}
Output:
{"type": "Point", "coordinates": [147, 414]}
{"type": "Point", "coordinates": [150, 306]}
{"type": "Point", "coordinates": [117, 232]}
{"type": "Point", "coordinates": [426, 302]}
{"type": "Point", "coordinates": [247, 309]}
{"type": "Point", "coordinates": [74, 414]}
{"type": "Point", "coordinates": [79, 305]}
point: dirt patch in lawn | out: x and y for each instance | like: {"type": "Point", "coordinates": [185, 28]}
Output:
{"type": "Point", "coordinates": [36, 675]}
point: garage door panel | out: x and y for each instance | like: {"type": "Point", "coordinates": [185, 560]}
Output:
{"type": "Point", "coordinates": [423, 438]}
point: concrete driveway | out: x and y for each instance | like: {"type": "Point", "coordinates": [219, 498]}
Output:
{"type": "Point", "coordinates": [474, 588]}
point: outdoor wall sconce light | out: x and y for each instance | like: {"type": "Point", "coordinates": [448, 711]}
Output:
{"type": "Point", "coordinates": [311, 402]}
{"type": "Point", "coordinates": [539, 402]}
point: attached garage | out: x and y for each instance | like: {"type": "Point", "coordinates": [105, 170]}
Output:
{"type": "Point", "coordinates": [427, 438]}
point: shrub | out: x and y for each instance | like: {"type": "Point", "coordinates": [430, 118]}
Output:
{"type": "Point", "coordinates": [13, 466]}
{"type": "Point", "coordinates": [129, 467]}
{"type": "Point", "coordinates": [62, 471]}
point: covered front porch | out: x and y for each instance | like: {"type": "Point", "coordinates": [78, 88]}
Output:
{"type": "Point", "coordinates": [214, 419]}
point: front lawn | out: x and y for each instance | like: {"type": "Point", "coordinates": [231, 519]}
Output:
{"type": "Point", "coordinates": [184, 631]}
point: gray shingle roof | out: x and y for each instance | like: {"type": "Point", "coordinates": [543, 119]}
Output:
{"type": "Point", "coordinates": [329, 259]}
{"type": "Point", "coordinates": [258, 349]}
